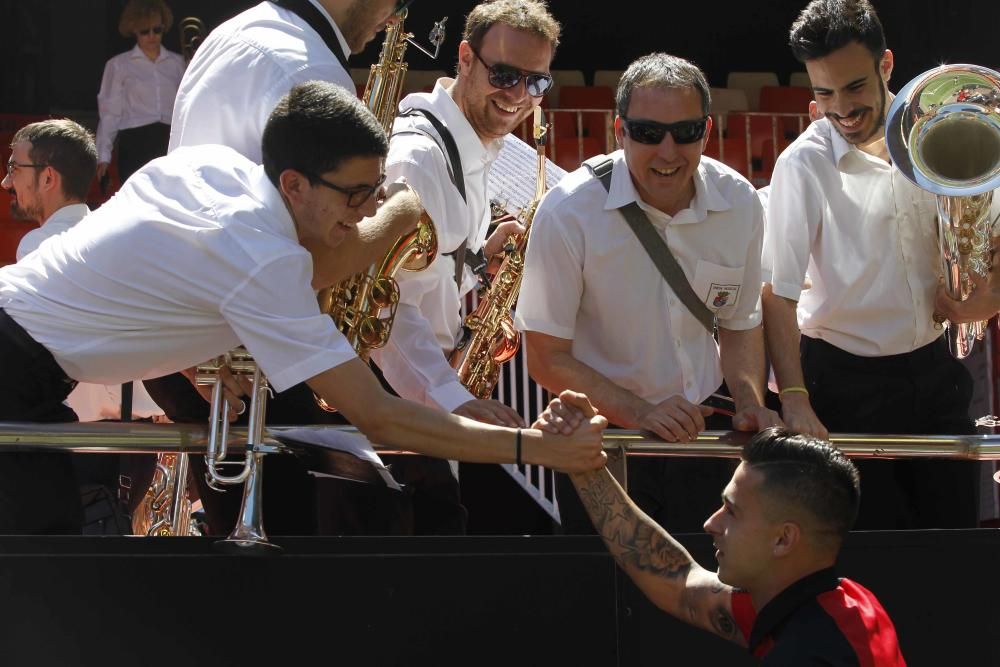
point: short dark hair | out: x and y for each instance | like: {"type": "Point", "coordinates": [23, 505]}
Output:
{"type": "Point", "coordinates": [809, 474]}
{"type": "Point", "coordinates": [529, 15]}
{"type": "Point", "coordinates": [825, 26]}
{"type": "Point", "coordinates": [67, 147]}
{"type": "Point", "coordinates": [315, 127]}
{"type": "Point", "coordinates": [661, 70]}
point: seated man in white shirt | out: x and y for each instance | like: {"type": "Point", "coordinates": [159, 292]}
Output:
{"type": "Point", "coordinates": [224, 264]}
{"type": "Point", "coordinates": [859, 351]}
{"type": "Point", "coordinates": [598, 315]}
{"type": "Point", "coordinates": [503, 73]}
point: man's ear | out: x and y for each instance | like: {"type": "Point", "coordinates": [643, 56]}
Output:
{"type": "Point", "coordinates": [788, 539]}
{"type": "Point", "coordinates": [814, 114]}
{"type": "Point", "coordinates": [885, 65]}
{"type": "Point", "coordinates": [465, 58]}
{"type": "Point", "coordinates": [293, 184]}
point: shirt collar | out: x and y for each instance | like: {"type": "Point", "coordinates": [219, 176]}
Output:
{"type": "Point", "coordinates": [443, 106]}
{"type": "Point", "coordinates": [706, 195]}
{"type": "Point", "coordinates": [345, 49]}
{"type": "Point", "coordinates": [273, 202]}
{"type": "Point", "coordinates": [69, 214]}
{"type": "Point", "coordinates": [137, 53]}
{"type": "Point", "coordinates": [788, 601]}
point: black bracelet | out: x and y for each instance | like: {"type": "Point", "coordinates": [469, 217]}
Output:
{"type": "Point", "coordinates": [517, 455]}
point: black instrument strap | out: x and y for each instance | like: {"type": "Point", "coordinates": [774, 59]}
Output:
{"type": "Point", "coordinates": [657, 249]}
{"type": "Point", "coordinates": [308, 12]}
{"type": "Point", "coordinates": [450, 151]}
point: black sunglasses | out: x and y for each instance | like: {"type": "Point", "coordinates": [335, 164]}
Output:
{"type": "Point", "coordinates": [356, 196]}
{"type": "Point", "coordinates": [508, 76]}
{"type": "Point", "coordinates": [156, 30]}
{"type": "Point", "coordinates": [651, 132]}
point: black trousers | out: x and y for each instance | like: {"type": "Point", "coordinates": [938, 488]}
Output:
{"type": "Point", "coordinates": [139, 145]}
{"type": "Point", "coordinates": [678, 493]}
{"type": "Point", "coordinates": [922, 392]}
{"type": "Point", "coordinates": [39, 494]}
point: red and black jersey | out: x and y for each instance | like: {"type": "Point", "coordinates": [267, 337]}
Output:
{"type": "Point", "coordinates": [820, 620]}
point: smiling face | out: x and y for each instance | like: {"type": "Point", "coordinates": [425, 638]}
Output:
{"type": "Point", "coordinates": [496, 112]}
{"type": "Point", "coordinates": [850, 89]}
{"type": "Point", "coordinates": [742, 534]}
{"type": "Point", "coordinates": [663, 173]}
{"type": "Point", "coordinates": [321, 213]}
{"type": "Point", "coordinates": [364, 20]}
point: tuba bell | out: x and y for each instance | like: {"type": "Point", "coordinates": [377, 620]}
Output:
{"type": "Point", "coordinates": [943, 134]}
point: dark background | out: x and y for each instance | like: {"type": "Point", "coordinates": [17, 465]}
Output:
{"type": "Point", "coordinates": [52, 52]}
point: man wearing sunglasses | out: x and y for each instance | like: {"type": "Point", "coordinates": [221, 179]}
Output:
{"type": "Point", "coordinates": [224, 264]}
{"type": "Point", "coordinates": [598, 314]}
{"type": "Point", "coordinates": [444, 144]}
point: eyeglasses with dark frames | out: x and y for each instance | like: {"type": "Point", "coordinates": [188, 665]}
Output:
{"type": "Point", "coordinates": [356, 196]}
{"type": "Point", "coordinates": [504, 76]}
{"type": "Point", "coordinates": [156, 30]}
{"type": "Point", "coordinates": [12, 165]}
{"type": "Point", "coordinates": [651, 132]}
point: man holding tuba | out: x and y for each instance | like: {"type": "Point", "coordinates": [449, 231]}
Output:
{"type": "Point", "coordinates": [598, 313]}
{"type": "Point", "coordinates": [443, 144]}
{"type": "Point", "coordinates": [859, 350]}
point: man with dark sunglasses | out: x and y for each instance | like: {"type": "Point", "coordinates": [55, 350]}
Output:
{"type": "Point", "coordinates": [598, 314]}
{"type": "Point", "coordinates": [444, 144]}
{"type": "Point", "coordinates": [224, 263]}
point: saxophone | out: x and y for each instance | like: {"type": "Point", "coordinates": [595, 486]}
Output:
{"type": "Point", "coordinates": [489, 338]}
{"type": "Point", "coordinates": [364, 305]}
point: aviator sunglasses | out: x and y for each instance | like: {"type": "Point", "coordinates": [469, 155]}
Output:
{"type": "Point", "coordinates": [651, 132]}
{"type": "Point", "coordinates": [508, 76]}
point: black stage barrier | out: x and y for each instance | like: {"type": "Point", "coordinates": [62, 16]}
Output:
{"type": "Point", "coordinates": [545, 600]}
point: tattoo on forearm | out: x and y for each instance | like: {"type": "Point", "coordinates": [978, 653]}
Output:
{"type": "Point", "coordinates": [632, 541]}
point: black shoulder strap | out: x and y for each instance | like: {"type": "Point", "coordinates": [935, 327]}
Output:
{"type": "Point", "coordinates": [450, 147]}
{"type": "Point", "coordinates": [657, 249]}
{"type": "Point", "coordinates": [450, 151]}
{"type": "Point", "coordinates": [308, 12]}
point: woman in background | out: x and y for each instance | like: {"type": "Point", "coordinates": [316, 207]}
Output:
{"type": "Point", "coordinates": [137, 92]}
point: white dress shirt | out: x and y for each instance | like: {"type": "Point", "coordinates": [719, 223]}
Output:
{"type": "Point", "coordinates": [867, 238]}
{"type": "Point", "coordinates": [428, 318]}
{"type": "Point", "coordinates": [135, 91]}
{"type": "Point", "coordinates": [587, 278]}
{"type": "Point", "coordinates": [90, 402]}
{"type": "Point", "coordinates": [57, 223]}
{"type": "Point", "coordinates": [240, 72]}
{"type": "Point", "coordinates": [195, 255]}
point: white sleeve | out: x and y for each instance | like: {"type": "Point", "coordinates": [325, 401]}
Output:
{"type": "Point", "coordinates": [747, 313]}
{"type": "Point", "coordinates": [110, 104]}
{"type": "Point", "coordinates": [552, 285]}
{"type": "Point", "coordinates": [428, 315]}
{"type": "Point", "coordinates": [794, 214]}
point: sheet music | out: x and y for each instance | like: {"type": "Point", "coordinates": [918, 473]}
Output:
{"type": "Point", "coordinates": [332, 438]}
{"type": "Point", "coordinates": [512, 176]}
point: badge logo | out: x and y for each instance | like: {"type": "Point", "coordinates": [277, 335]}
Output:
{"type": "Point", "coordinates": [720, 296]}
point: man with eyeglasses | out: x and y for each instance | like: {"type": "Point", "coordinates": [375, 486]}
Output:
{"type": "Point", "coordinates": [225, 264]}
{"type": "Point", "coordinates": [444, 143]}
{"type": "Point", "coordinates": [598, 314]}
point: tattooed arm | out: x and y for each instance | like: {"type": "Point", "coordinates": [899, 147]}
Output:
{"type": "Point", "coordinates": [658, 565]}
